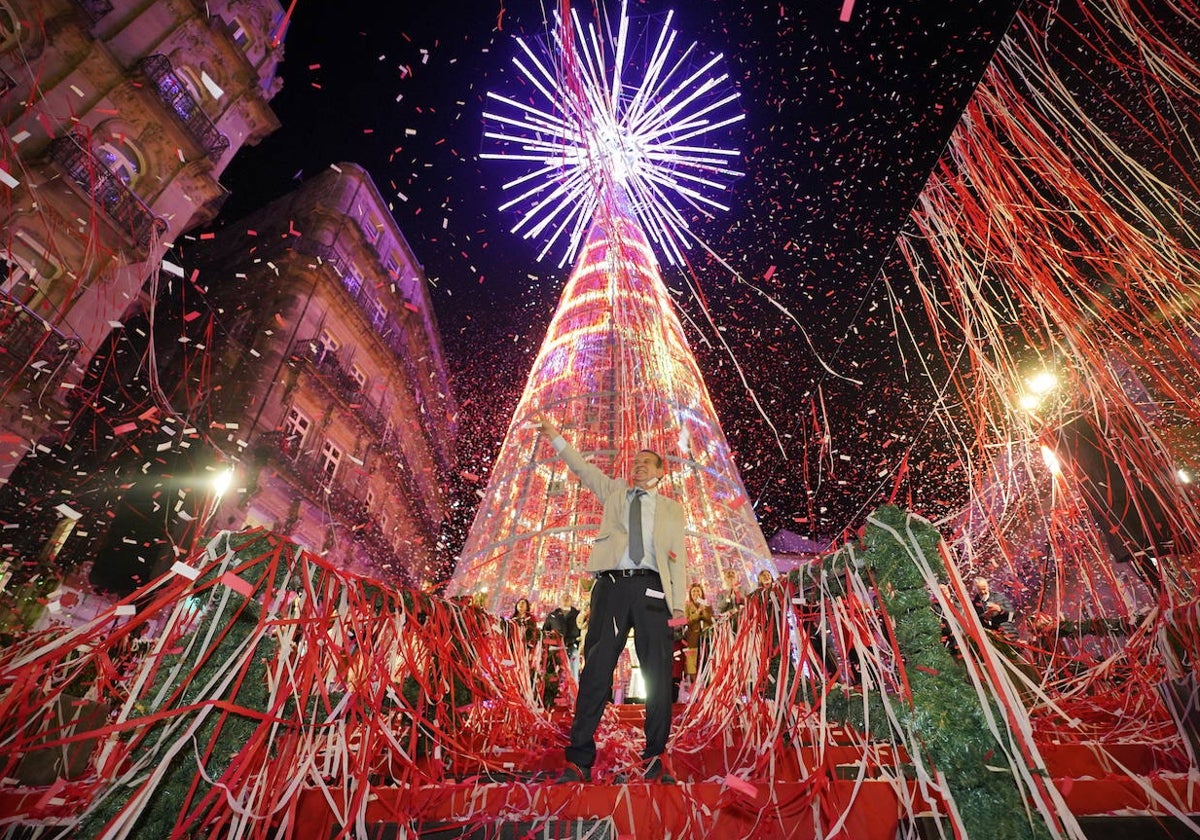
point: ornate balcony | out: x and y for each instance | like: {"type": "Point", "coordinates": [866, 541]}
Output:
{"type": "Point", "coordinates": [175, 95]}
{"type": "Point", "coordinates": [340, 384]}
{"type": "Point", "coordinates": [28, 343]}
{"type": "Point", "coordinates": [130, 214]}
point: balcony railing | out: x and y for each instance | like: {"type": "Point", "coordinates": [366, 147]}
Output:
{"type": "Point", "coordinates": [392, 333]}
{"type": "Point", "coordinates": [128, 211]}
{"type": "Point", "coordinates": [27, 341]}
{"type": "Point", "coordinates": [175, 95]}
{"type": "Point", "coordinates": [340, 383]}
{"type": "Point", "coordinates": [304, 472]}
{"type": "Point", "coordinates": [344, 387]}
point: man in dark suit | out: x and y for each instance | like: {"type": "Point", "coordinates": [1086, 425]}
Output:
{"type": "Point", "coordinates": [564, 620]}
{"type": "Point", "coordinates": [639, 563]}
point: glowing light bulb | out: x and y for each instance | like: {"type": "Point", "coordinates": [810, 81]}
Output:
{"type": "Point", "coordinates": [1042, 382]}
{"type": "Point", "coordinates": [222, 481]}
{"type": "Point", "coordinates": [626, 121]}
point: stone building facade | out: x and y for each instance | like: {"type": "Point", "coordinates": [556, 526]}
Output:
{"type": "Point", "coordinates": [117, 119]}
{"type": "Point", "coordinates": [334, 400]}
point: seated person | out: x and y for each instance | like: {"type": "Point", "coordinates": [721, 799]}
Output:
{"type": "Point", "coordinates": [994, 608]}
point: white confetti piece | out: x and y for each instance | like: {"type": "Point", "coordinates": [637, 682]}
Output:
{"type": "Point", "coordinates": [184, 570]}
{"type": "Point", "coordinates": [213, 87]}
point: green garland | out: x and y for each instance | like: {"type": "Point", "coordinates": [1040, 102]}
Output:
{"type": "Point", "coordinates": [228, 734]}
{"type": "Point", "coordinates": [944, 713]}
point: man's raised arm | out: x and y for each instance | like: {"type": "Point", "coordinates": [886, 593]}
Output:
{"type": "Point", "coordinates": [593, 477]}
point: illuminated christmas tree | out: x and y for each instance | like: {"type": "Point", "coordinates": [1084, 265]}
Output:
{"type": "Point", "coordinates": [612, 144]}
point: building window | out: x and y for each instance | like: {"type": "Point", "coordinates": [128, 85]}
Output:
{"type": "Point", "coordinates": [295, 432]}
{"type": "Point", "coordinates": [357, 374]}
{"type": "Point", "coordinates": [187, 77]}
{"type": "Point", "coordinates": [352, 282]}
{"type": "Point", "coordinates": [58, 539]}
{"type": "Point", "coordinates": [15, 277]}
{"type": "Point", "coordinates": [119, 158]}
{"type": "Point", "coordinates": [22, 269]}
{"type": "Point", "coordinates": [331, 457]}
{"type": "Point", "coordinates": [378, 314]}
{"type": "Point", "coordinates": [370, 500]}
{"type": "Point", "coordinates": [327, 346]}
{"type": "Point", "coordinates": [374, 229]}
{"type": "Point", "coordinates": [10, 26]}
{"type": "Point", "coordinates": [237, 31]}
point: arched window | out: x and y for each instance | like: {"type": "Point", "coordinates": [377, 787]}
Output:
{"type": "Point", "coordinates": [190, 81]}
{"type": "Point", "coordinates": [10, 26]}
{"type": "Point", "coordinates": [120, 158]}
{"type": "Point", "coordinates": [25, 267]}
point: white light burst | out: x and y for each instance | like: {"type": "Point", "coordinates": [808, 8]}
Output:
{"type": "Point", "coordinates": [608, 132]}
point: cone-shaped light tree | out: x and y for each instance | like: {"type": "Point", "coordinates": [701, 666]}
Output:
{"type": "Point", "coordinates": [613, 144]}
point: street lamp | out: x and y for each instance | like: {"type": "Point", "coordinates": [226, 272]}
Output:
{"type": "Point", "coordinates": [222, 481]}
{"type": "Point", "coordinates": [1037, 386]}
{"type": "Point", "coordinates": [1042, 382]}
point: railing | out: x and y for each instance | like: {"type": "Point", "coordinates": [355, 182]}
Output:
{"type": "Point", "coordinates": [340, 383]}
{"type": "Point", "coordinates": [27, 341]}
{"type": "Point", "coordinates": [106, 189]}
{"type": "Point", "coordinates": [343, 386]}
{"type": "Point", "coordinates": [94, 9]}
{"type": "Point", "coordinates": [304, 472]}
{"type": "Point", "coordinates": [175, 95]}
{"type": "Point", "coordinates": [390, 331]}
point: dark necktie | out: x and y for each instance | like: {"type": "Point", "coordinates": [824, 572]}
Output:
{"type": "Point", "coordinates": [636, 550]}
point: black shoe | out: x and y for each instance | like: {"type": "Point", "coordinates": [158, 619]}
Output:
{"type": "Point", "coordinates": [654, 771]}
{"type": "Point", "coordinates": [573, 774]}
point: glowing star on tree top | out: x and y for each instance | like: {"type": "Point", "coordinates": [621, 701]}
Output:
{"type": "Point", "coordinates": [641, 137]}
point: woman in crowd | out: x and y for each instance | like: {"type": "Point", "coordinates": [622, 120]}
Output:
{"type": "Point", "coordinates": [523, 621]}
{"type": "Point", "coordinates": [699, 615]}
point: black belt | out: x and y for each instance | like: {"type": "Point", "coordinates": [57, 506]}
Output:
{"type": "Point", "coordinates": [613, 574]}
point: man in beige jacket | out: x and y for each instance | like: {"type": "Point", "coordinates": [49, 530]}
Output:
{"type": "Point", "coordinates": [641, 580]}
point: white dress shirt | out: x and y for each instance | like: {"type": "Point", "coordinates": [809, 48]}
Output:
{"type": "Point", "coordinates": [649, 559]}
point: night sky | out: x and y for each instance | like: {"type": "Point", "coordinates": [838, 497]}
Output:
{"type": "Point", "coordinates": [844, 122]}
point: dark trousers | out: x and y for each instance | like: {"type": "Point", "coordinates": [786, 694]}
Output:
{"type": "Point", "coordinates": [618, 604]}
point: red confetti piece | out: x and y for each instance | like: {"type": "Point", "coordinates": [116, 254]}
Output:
{"type": "Point", "coordinates": [237, 584]}
{"type": "Point", "coordinates": [740, 785]}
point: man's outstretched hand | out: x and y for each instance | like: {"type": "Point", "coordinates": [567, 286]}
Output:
{"type": "Point", "coordinates": [546, 425]}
